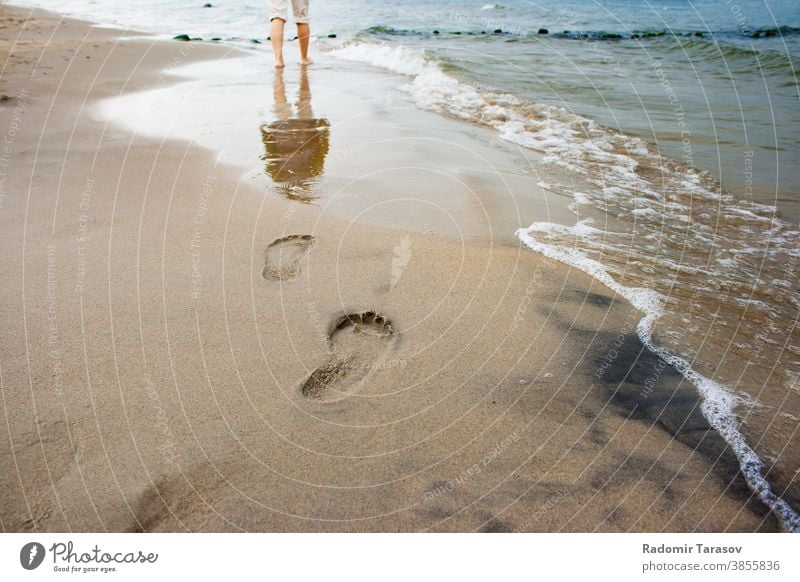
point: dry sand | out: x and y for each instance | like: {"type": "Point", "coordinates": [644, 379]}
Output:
{"type": "Point", "coordinates": [171, 361]}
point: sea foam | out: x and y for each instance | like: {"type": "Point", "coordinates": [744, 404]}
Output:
{"type": "Point", "coordinates": [673, 211]}
{"type": "Point", "coordinates": [718, 405]}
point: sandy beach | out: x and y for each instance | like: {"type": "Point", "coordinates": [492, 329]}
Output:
{"type": "Point", "coordinates": [357, 343]}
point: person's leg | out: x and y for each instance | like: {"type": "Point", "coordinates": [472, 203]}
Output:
{"type": "Point", "coordinates": [278, 13]}
{"type": "Point", "coordinates": [300, 8]}
{"type": "Point", "coordinates": [276, 35]}
{"type": "Point", "coordinates": [303, 37]}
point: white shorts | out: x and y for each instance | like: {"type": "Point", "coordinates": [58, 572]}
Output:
{"type": "Point", "coordinates": [280, 9]}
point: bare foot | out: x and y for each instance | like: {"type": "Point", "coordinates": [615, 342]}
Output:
{"type": "Point", "coordinates": [279, 64]}
{"type": "Point", "coordinates": [306, 61]}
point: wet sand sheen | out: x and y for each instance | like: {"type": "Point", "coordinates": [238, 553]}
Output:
{"type": "Point", "coordinates": [183, 384]}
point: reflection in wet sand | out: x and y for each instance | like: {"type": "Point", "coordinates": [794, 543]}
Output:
{"type": "Point", "coordinates": [296, 145]}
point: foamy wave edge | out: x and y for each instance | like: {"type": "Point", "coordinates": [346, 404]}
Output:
{"type": "Point", "coordinates": [433, 89]}
{"type": "Point", "coordinates": [718, 406]}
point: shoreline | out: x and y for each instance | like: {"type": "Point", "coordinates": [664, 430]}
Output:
{"type": "Point", "coordinates": [183, 296]}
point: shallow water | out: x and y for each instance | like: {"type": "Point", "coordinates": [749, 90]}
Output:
{"type": "Point", "coordinates": [735, 85]}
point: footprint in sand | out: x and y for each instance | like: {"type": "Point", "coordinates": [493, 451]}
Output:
{"type": "Point", "coordinates": [360, 342]}
{"type": "Point", "coordinates": [283, 256]}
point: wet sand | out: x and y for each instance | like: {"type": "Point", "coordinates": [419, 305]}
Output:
{"type": "Point", "coordinates": [187, 348]}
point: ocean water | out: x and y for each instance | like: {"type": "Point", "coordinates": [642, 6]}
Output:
{"type": "Point", "coordinates": [673, 129]}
